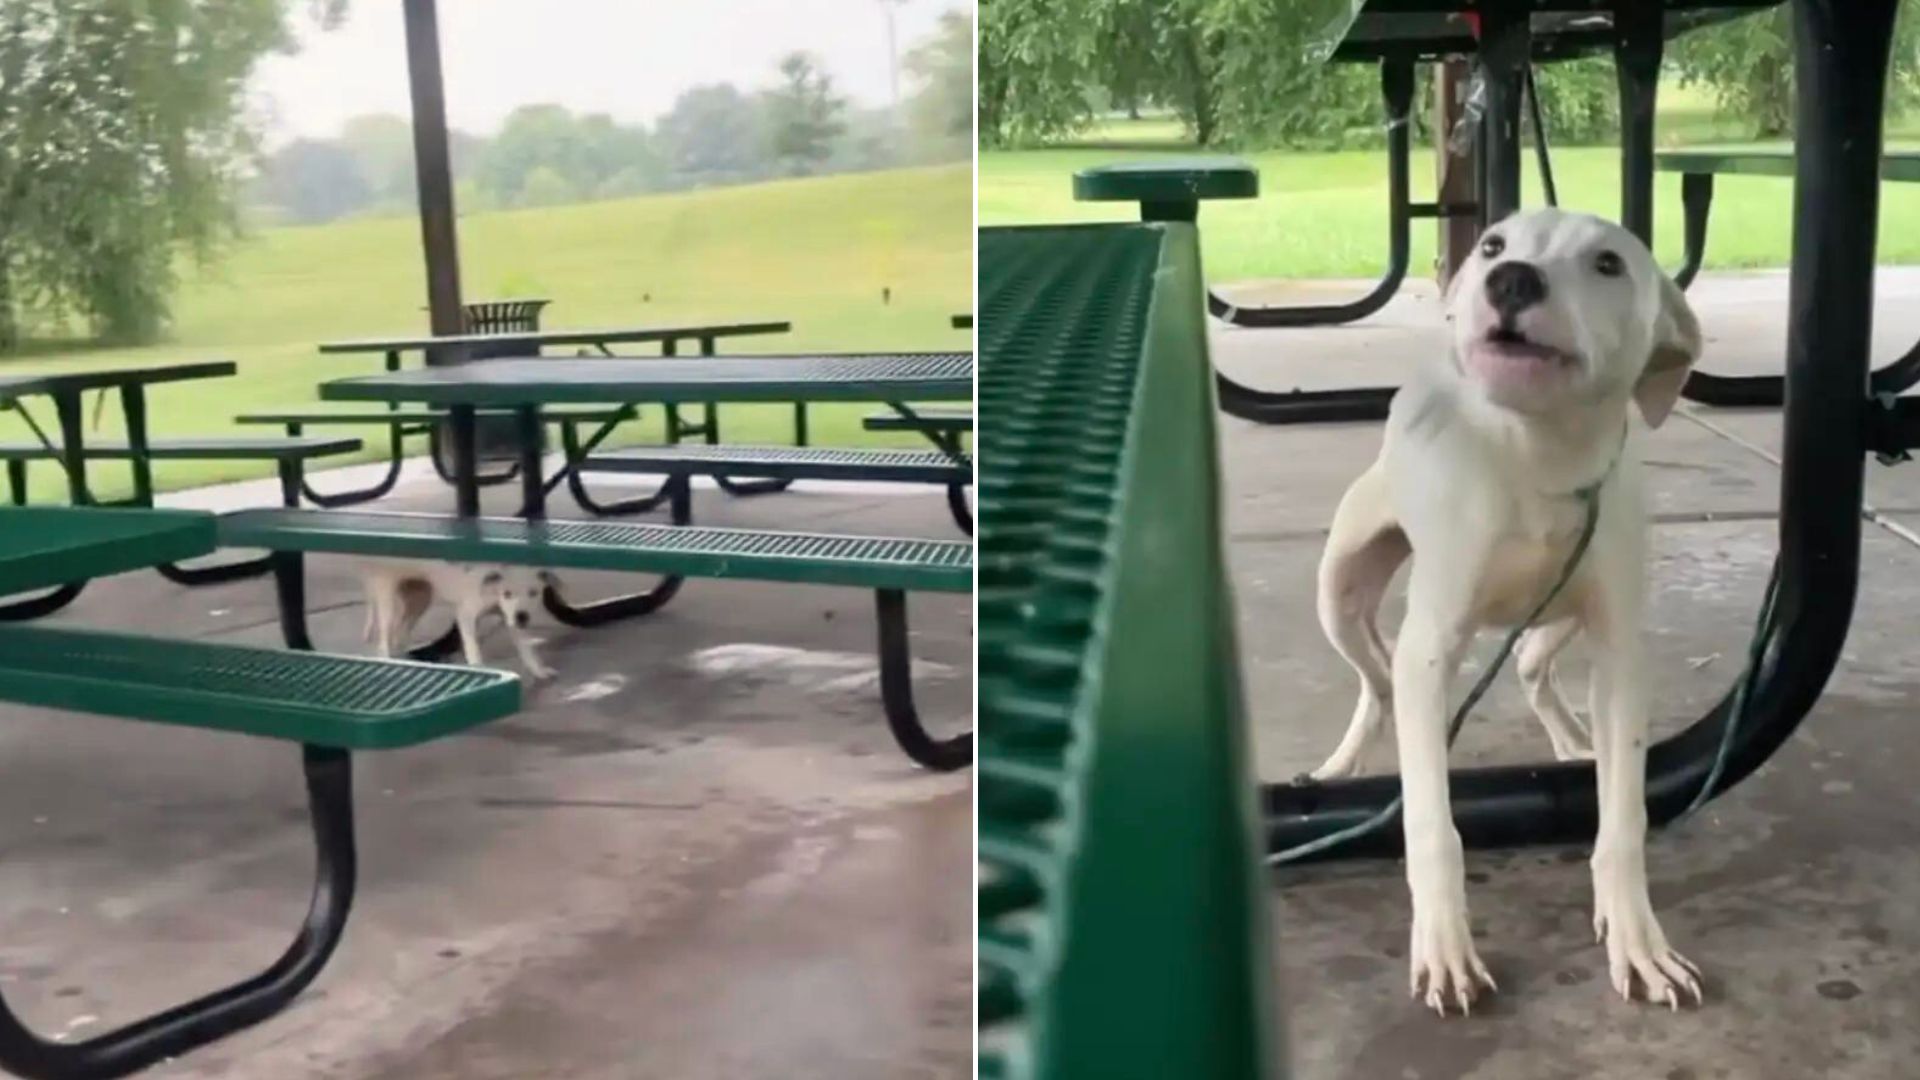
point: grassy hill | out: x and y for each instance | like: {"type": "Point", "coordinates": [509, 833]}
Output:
{"type": "Point", "coordinates": [816, 252]}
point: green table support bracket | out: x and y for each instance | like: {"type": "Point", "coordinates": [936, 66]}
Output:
{"type": "Point", "coordinates": [1168, 189]}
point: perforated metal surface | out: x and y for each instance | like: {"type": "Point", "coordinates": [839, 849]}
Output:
{"type": "Point", "coordinates": [827, 559]}
{"type": "Point", "coordinates": [795, 462]}
{"type": "Point", "coordinates": [342, 701]}
{"type": "Point", "coordinates": [1121, 930]}
{"type": "Point", "coordinates": [882, 377]}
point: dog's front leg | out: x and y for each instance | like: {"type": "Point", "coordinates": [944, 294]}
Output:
{"type": "Point", "coordinates": [1441, 957]}
{"type": "Point", "coordinates": [467, 618]}
{"type": "Point", "coordinates": [1622, 909]}
{"type": "Point", "coordinates": [529, 659]}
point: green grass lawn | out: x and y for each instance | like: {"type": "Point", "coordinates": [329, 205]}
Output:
{"type": "Point", "coordinates": [816, 252]}
{"type": "Point", "coordinates": [1323, 214]}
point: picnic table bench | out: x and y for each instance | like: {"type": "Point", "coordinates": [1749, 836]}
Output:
{"type": "Point", "coordinates": [404, 422]}
{"type": "Point", "coordinates": [1122, 923]}
{"type": "Point", "coordinates": [1697, 168]}
{"type": "Point", "coordinates": [140, 450]}
{"type": "Point", "coordinates": [891, 567]}
{"type": "Point", "coordinates": [329, 705]}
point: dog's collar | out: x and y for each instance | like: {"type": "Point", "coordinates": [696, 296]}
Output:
{"type": "Point", "coordinates": [1589, 492]}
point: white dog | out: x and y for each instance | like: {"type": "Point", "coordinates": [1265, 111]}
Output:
{"type": "Point", "coordinates": [399, 592]}
{"type": "Point", "coordinates": [1560, 321]}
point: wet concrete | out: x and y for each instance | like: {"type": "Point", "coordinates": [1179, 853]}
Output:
{"type": "Point", "coordinates": [1795, 891]}
{"type": "Point", "coordinates": [697, 853]}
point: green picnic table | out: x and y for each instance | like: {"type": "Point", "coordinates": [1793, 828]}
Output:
{"type": "Point", "coordinates": [47, 547]}
{"type": "Point", "coordinates": [890, 566]}
{"type": "Point", "coordinates": [68, 446]}
{"type": "Point", "coordinates": [509, 343]}
{"type": "Point", "coordinates": [329, 706]}
{"type": "Point", "coordinates": [1122, 919]}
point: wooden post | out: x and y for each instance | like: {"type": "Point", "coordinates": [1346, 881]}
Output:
{"type": "Point", "coordinates": [1454, 180]}
{"type": "Point", "coordinates": [433, 170]}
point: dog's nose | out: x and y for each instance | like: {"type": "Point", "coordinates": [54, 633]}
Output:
{"type": "Point", "coordinates": [1513, 287]}
{"type": "Point", "coordinates": [522, 618]}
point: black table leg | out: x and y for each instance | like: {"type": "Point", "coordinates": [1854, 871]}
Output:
{"type": "Point", "coordinates": [1841, 65]}
{"type": "Point", "coordinates": [1638, 44]}
{"type": "Point", "coordinates": [466, 466]}
{"type": "Point", "coordinates": [1396, 88]}
{"type": "Point", "coordinates": [896, 692]}
{"type": "Point", "coordinates": [1506, 48]}
{"type": "Point", "coordinates": [73, 446]}
{"type": "Point", "coordinates": [1696, 199]}
{"type": "Point", "coordinates": [533, 482]}
{"type": "Point", "coordinates": [180, 1029]}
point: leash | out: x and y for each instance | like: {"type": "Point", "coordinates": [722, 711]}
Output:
{"type": "Point", "coordinates": [1743, 690]}
{"type": "Point", "coordinates": [1590, 495]}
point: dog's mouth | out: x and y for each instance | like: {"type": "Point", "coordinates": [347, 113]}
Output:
{"type": "Point", "coordinates": [1513, 366]}
{"type": "Point", "coordinates": [1508, 343]}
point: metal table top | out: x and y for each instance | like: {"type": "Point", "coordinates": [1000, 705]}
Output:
{"type": "Point", "coordinates": [535, 339]}
{"type": "Point", "coordinates": [559, 381]}
{"type": "Point", "coordinates": [1899, 166]}
{"type": "Point", "coordinates": [1364, 30]}
{"type": "Point", "coordinates": [18, 386]}
{"type": "Point", "coordinates": [1109, 681]}
{"type": "Point", "coordinates": [41, 547]}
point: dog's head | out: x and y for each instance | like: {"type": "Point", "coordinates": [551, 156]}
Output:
{"type": "Point", "coordinates": [1557, 309]}
{"type": "Point", "coordinates": [514, 591]}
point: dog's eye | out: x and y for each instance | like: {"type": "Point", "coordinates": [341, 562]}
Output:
{"type": "Point", "coordinates": [1609, 264]}
{"type": "Point", "coordinates": [1491, 246]}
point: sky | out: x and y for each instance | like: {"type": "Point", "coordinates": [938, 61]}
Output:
{"type": "Point", "coordinates": [630, 58]}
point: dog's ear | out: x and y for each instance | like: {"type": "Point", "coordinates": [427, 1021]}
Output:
{"type": "Point", "coordinates": [1676, 346]}
{"type": "Point", "coordinates": [548, 579]}
{"type": "Point", "coordinates": [492, 580]}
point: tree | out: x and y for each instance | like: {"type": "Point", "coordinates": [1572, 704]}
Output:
{"type": "Point", "coordinates": [312, 181]}
{"type": "Point", "coordinates": [122, 138]}
{"type": "Point", "coordinates": [1037, 60]}
{"type": "Point", "coordinates": [803, 116]}
{"type": "Point", "coordinates": [381, 145]}
{"type": "Point", "coordinates": [940, 107]}
{"type": "Point", "coordinates": [544, 186]}
{"type": "Point", "coordinates": [712, 136]}
{"type": "Point", "coordinates": [531, 137]}
{"type": "Point", "coordinates": [1748, 65]}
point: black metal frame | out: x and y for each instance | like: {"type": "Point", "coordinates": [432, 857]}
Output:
{"type": "Point", "coordinates": [1756, 391]}
{"type": "Point", "coordinates": [1830, 424]}
{"type": "Point", "coordinates": [144, 1043]}
{"type": "Point", "coordinates": [1396, 88]}
{"type": "Point", "coordinates": [1505, 60]}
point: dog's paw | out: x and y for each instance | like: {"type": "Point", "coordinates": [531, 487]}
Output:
{"type": "Point", "coordinates": [1443, 968]}
{"type": "Point", "coordinates": [1338, 767]}
{"type": "Point", "coordinates": [540, 672]}
{"type": "Point", "coordinates": [1637, 949]}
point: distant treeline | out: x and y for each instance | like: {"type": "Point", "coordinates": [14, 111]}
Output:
{"type": "Point", "coordinates": [717, 134]}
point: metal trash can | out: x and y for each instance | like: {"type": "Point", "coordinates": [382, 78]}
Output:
{"type": "Point", "coordinates": [494, 436]}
